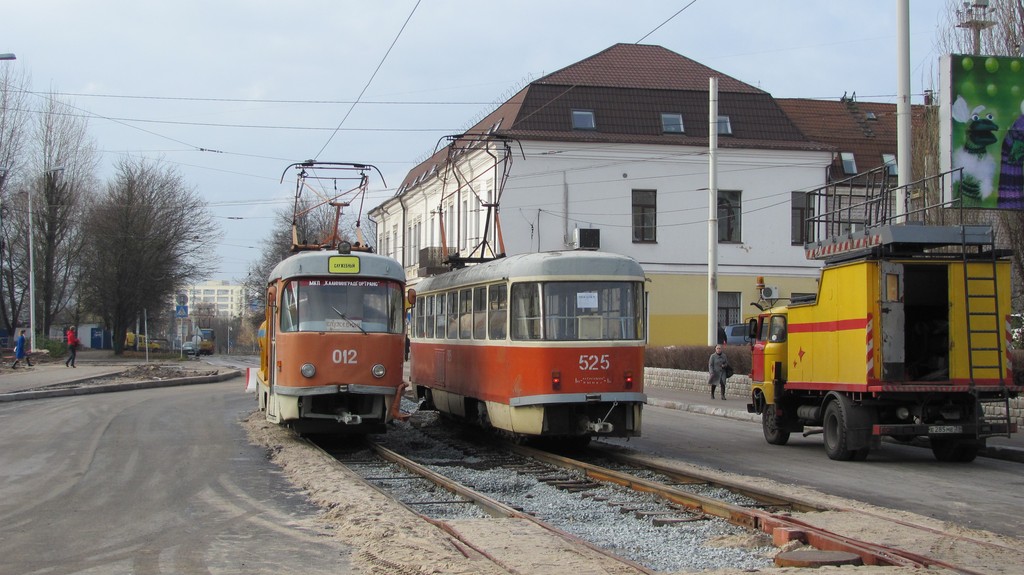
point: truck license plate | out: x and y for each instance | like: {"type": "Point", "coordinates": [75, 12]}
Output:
{"type": "Point", "coordinates": [945, 429]}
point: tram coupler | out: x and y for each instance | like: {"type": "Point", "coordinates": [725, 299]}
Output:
{"type": "Point", "coordinates": [600, 427]}
{"type": "Point", "coordinates": [396, 403]}
{"type": "Point", "coordinates": [348, 418]}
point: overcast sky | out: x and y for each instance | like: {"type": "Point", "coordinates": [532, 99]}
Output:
{"type": "Point", "coordinates": [261, 84]}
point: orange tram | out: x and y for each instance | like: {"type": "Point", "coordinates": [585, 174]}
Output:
{"type": "Point", "coordinates": [535, 345]}
{"type": "Point", "coordinates": [333, 342]}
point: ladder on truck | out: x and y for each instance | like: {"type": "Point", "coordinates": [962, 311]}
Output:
{"type": "Point", "coordinates": [984, 330]}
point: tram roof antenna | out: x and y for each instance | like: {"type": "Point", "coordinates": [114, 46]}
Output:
{"type": "Point", "coordinates": [458, 144]}
{"type": "Point", "coordinates": [333, 238]}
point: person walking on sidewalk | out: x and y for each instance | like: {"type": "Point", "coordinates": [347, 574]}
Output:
{"type": "Point", "coordinates": [718, 366]}
{"type": "Point", "coordinates": [73, 343]}
{"type": "Point", "coordinates": [20, 352]}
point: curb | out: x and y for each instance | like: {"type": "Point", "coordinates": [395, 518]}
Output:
{"type": "Point", "coordinates": [706, 410]}
{"type": "Point", "coordinates": [115, 387]}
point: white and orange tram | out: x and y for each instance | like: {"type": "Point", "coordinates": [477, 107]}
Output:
{"type": "Point", "coordinates": [535, 345]}
{"type": "Point", "coordinates": [333, 346]}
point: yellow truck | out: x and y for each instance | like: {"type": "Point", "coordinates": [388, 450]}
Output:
{"type": "Point", "coordinates": [907, 337]}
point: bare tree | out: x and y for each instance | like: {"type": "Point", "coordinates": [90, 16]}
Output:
{"type": "Point", "coordinates": [149, 236]}
{"type": "Point", "coordinates": [14, 128]}
{"type": "Point", "coordinates": [66, 163]}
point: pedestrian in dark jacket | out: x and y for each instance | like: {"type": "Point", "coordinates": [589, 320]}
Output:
{"type": "Point", "coordinates": [718, 363]}
{"type": "Point", "coordinates": [20, 352]}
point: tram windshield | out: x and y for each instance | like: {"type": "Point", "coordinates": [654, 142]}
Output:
{"type": "Point", "coordinates": [573, 311]}
{"type": "Point", "coordinates": [370, 306]}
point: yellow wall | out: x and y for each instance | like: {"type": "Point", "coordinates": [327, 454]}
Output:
{"type": "Point", "coordinates": [678, 304]}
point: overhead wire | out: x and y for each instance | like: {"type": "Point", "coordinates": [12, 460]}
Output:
{"type": "Point", "coordinates": [370, 81]}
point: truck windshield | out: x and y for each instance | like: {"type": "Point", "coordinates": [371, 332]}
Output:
{"type": "Point", "coordinates": [573, 311]}
{"type": "Point", "coordinates": [371, 306]}
{"type": "Point", "coordinates": [773, 330]}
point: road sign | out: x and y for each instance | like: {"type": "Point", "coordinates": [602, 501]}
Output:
{"type": "Point", "coordinates": [182, 299]}
{"type": "Point", "coordinates": [181, 311]}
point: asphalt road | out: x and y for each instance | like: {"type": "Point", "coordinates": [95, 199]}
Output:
{"type": "Point", "coordinates": [156, 481]}
{"type": "Point", "coordinates": [984, 494]}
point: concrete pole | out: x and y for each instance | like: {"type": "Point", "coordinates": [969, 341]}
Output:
{"type": "Point", "coordinates": [713, 211]}
{"type": "Point", "coordinates": [903, 108]}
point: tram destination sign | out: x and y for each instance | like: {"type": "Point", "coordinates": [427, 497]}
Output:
{"type": "Point", "coordinates": [343, 265]}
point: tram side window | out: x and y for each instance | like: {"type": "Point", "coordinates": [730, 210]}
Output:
{"type": "Point", "coordinates": [526, 311]}
{"type": "Point", "coordinates": [428, 316]}
{"type": "Point", "coordinates": [453, 315]}
{"type": "Point", "coordinates": [290, 308]}
{"type": "Point", "coordinates": [480, 313]}
{"type": "Point", "coordinates": [440, 317]}
{"type": "Point", "coordinates": [418, 326]}
{"type": "Point", "coordinates": [497, 311]}
{"type": "Point", "coordinates": [465, 314]}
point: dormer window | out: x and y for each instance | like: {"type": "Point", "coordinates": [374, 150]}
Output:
{"type": "Point", "coordinates": [724, 126]}
{"type": "Point", "coordinates": [849, 163]}
{"type": "Point", "coordinates": [889, 161]}
{"type": "Point", "coordinates": [672, 123]}
{"type": "Point", "coordinates": [583, 120]}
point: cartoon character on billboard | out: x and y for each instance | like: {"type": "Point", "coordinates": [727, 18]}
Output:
{"type": "Point", "coordinates": [979, 165]}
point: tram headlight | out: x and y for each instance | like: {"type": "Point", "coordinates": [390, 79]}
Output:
{"type": "Point", "coordinates": [902, 412]}
{"type": "Point", "coordinates": [307, 370]}
{"type": "Point", "coordinates": [378, 371]}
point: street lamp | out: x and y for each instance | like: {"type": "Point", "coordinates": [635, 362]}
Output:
{"type": "Point", "coordinates": [47, 178]}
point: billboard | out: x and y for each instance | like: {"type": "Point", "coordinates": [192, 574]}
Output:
{"type": "Point", "coordinates": [981, 130]}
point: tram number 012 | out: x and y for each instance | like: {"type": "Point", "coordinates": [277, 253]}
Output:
{"type": "Point", "coordinates": [594, 362]}
{"type": "Point", "coordinates": [346, 356]}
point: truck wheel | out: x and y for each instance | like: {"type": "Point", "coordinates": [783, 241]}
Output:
{"type": "Point", "coordinates": [954, 450]}
{"type": "Point", "coordinates": [837, 433]}
{"type": "Point", "coordinates": [773, 434]}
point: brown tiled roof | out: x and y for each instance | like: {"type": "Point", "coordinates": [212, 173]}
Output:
{"type": "Point", "coordinates": [868, 129]}
{"type": "Point", "coordinates": [628, 87]}
{"type": "Point", "coordinates": [645, 67]}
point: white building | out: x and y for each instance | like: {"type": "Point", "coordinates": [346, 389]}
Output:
{"type": "Point", "coordinates": [226, 299]}
{"type": "Point", "coordinates": [614, 150]}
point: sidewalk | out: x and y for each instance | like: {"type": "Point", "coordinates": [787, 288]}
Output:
{"type": "Point", "coordinates": [51, 378]}
{"type": "Point", "coordinates": [735, 407]}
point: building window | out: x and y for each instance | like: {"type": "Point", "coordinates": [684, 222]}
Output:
{"type": "Point", "coordinates": [724, 126]}
{"type": "Point", "coordinates": [729, 308]}
{"type": "Point", "coordinates": [849, 163]}
{"type": "Point", "coordinates": [800, 232]}
{"type": "Point", "coordinates": [645, 216]}
{"type": "Point", "coordinates": [729, 220]}
{"type": "Point", "coordinates": [672, 123]}
{"type": "Point", "coordinates": [583, 120]}
{"type": "Point", "coordinates": [889, 161]}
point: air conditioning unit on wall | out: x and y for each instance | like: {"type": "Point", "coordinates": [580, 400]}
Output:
{"type": "Point", "coordinates": [587, 238]}
{"type": "Point", "coordinates": [770, 292]}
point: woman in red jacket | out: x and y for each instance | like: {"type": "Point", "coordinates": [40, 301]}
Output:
{"type": "Point", "coordinates": [73, 343]}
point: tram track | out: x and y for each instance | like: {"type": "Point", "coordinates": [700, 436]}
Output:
{"type": "Point", "coordinates": [640, 532]}
{"type": "Point", "coordinates": [795, 517]}
{"type": "Point", "coordinates": [685, 499]}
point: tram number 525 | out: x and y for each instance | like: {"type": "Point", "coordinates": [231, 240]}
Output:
{"type": "Point", "coordinates": [594, 362]}
{"type": "Point", "coordinates": [346, 356]}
